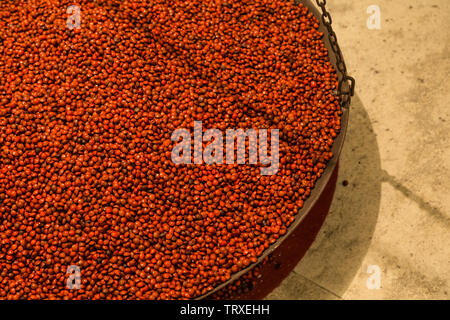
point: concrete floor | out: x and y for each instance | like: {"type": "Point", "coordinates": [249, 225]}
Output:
{"type": "Point", "coordinates": [395, 211]}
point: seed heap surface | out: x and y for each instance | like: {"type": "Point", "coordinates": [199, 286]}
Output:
{"type": "Point", "coordinates": [86, 117]}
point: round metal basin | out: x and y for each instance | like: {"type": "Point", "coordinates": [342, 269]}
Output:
{"type": "Point", "coordinates": [324, 180]}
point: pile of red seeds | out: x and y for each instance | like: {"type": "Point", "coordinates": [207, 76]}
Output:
{"type": "Point", "coordinates": [86, 117]}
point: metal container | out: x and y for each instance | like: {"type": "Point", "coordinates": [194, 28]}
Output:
{"type": "Point", "coordinates": [336, 59]}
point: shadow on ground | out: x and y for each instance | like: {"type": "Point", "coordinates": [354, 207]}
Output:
{"type": "Point", "coordinates": [336, 255]}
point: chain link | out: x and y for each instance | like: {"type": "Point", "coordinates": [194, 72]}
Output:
{"type": "Point", "coordinates": [340, 64]}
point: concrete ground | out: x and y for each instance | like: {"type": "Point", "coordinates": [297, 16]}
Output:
{"type": "Point", "coordinates": [387, 235]}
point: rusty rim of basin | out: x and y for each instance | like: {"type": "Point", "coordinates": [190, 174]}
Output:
{"type": "Point", "coordinates": [323, 180]}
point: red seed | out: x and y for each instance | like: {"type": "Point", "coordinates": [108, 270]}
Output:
{"type": "Point", "coordinates": [86, 117]}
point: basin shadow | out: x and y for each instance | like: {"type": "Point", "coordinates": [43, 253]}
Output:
{"type": "Point", "coordinates": [321, 257]}
{"type": "Point", "coordinates": [336, 255]}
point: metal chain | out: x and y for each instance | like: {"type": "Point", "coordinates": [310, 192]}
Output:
{"type": "Point", "coordinates": [340, 64]}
